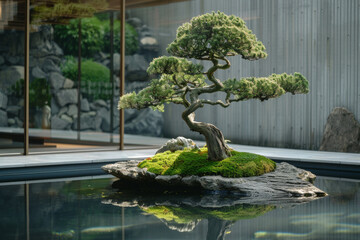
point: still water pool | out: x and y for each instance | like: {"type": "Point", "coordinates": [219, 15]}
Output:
{"type": "Point", "coordinates": [90, 209]}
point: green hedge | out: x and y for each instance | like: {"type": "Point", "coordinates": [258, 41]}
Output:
{"type": "Point", "coordinates": [95, 78]}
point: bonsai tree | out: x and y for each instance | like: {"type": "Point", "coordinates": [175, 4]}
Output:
{"type": "Point", "coordinates": [211, 37]}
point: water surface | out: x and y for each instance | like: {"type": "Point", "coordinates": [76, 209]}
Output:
{"type": "Point", "coordinates": [89, 209]}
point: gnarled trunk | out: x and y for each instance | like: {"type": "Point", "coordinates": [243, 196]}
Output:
{"type": "Point", "coordinates": [217, 228]}
{"type": "Point", "coordinates": [217, 148]}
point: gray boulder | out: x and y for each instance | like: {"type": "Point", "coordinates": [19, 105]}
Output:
{"type": "Point", "coordinates": [59, 123]}
{"type": "Point", "coordinates": [54, 107]}
{"type": "Point", "coordinates": [177, 144]}
{"type": "Point", "coordinates": [9, 76]}
{"type": "Point", "coordinates": [85, 105]}
{"type": "Point", "coordinates": [3, 100]}
{"type": "Point", "coordinates": [3, 119]}
{"type": "Point", "coordinates": [38, 73]}
{"type": "Point", "coordinates": [68, 83]}
{"type": "Point", "coordinates": [13, 60]}
{"type": "Point", "coordinates": [13, 110]}
{"type": "Point", "coordinates": [149, 44]}
{"type": "Point", "coordinates": [136, 68]}
{"type": "Point", "coordinates": [147, 123]}
{"type": "Point", "coordinates": [342, 132]}
{"type": "Point", "coordinates": [50, 66]}
{"type": "Point", "coordinates": [88, 121]}
{"type": "Point", "coordinates": [56, 80]}
{"type": "Point", "coordinates": [72, 110]}
{"type": "Point", "coordinates": [134, 21]}
{"type": "Point", "coordinates": [105, 115]}
{"type": "Point", "coordinates": [66, 96]}
{"type": "Point", "coordinates": [286, 182]}
{"type": "Point", "coordinates": [116, 59]}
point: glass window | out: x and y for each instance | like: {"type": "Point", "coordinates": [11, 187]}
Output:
{"type": "Point", "coordinates": [11, 76]}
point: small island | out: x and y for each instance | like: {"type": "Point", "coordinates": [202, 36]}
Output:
{"type": "Point", "coordinates": [213, 38]}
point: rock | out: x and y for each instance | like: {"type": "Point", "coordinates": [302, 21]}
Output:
{"type": "Point", "coordinates": [54, 107]}
{"type": "Point", "coordinates": [68, 83]}
{"type": "Point", "coordinates": [147, 123]}
{"type": "Point", "coordinates": [85, 105]}
{"type": "Point", "coordinates": [100, 103]}
{"type": "Point", "coordinates": [13, 60]}
{"type": "Point", "coordinates": [285, 182]}
{"type": "Point", "coordinates": [105, 115]}
{"type": "Point", "coordinates": [57, 50]}
{"type": "Point", "coordinates": [116, 59]}
{"type": "Point", "coordinates": [144, 31]}
{"type": "Point", "coordinates": [36, 41]}
{"type": "Point", "coordinates": [63, 110]}
{"type": "Point", "coordinates": [3, 100]}
{"type": "Point", "coordinates": [100, 56]}
{"type": "Point", "coordinates": [38, 73]}
{"type": "Point", "coordinates": [58, 123]}
{"type": "Point", "coordinates": [136, 68]}
{"type": "Point", "coordinates": [135, 86]}
{"type": "Point", "coordinates": [342, 132]}
{"type": "Point", "coordinates": [9, 76]}
{"type": "Point", "coordinates": [149, 44]}
{"type": "Point", "coordinates": [56, 80]}
{"type": "Point", "coordinates": [3, 119]}
{"type": "Point", "coordinates": [130, 114]}
{"type": "Point", "coordinates": [66, 118]}
{"type": "Point", "coordinates": [13, 110]}
{"type": "Point", "coordinates": [38, 53]}
{"type": "Point", "coordinates": [177, 144]}
{"type": "Point", "coordinates": [135, 22]}
{"type": "Point", "coordinates": [88, 122]}
{"type": "Point", "coordinates": [11, 121]}
{"type": "Point", "coordinates": [66, 96]}
{"type": "Point", "coordinates": [2, 60]}
{"type": "Point", "coordinates": [50, 66]}
{"type": "Point", "coordinates": [72, 110]}
{"type": "Point", "coordinates": [19, 123]}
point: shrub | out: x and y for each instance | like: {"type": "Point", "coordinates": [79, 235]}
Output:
{"type": "Point", "coordinates": [131, 38]}
{"type": "Point", "coordinates": [39, 92]}
{"type": "Point", "coordinates": [91, 40]}
{"type": "Point", "coordinates": [95, 36]}
{"type": "Point", "coordinates": [95, 78]}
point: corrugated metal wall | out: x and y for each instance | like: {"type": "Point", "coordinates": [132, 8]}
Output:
{"type": "Point", "coordinates": [319, 38]}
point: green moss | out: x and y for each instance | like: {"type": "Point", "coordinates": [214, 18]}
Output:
{"type": "Point", "coordinates": [194, 162]}
{"type": "Point", "coordinates": [188, 214]}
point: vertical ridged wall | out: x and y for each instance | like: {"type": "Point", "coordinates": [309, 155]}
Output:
{"type": "Point", "coordinates": [319, 39]}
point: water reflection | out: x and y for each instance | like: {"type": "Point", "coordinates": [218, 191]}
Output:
{"type": "Point", "coordinates": [92, 209]}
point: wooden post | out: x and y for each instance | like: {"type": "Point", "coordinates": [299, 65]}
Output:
{"type": "Point", "coordinates": [26, 77]}
{"type": "Point", "coordinates": [122, 69]}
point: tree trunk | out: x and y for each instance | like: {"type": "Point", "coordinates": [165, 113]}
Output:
{"type": "Point", "coordinates": [217, 229]}
{"type": "Point", "coordinates": [217, 148]}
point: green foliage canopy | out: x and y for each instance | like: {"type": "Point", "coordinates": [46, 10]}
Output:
{"type": "Point", "coordinates": [216, 35]}
{"type": "Point", "coordinates": [212, 37]}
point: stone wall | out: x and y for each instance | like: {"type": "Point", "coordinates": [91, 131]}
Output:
{"type": "Point", "coordinates": [46, 58]}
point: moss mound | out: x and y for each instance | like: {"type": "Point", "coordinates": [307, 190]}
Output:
{"type": "Point", "coordinates": [194, 162]}
{"type": "Point", "coordinates": [188, 214]}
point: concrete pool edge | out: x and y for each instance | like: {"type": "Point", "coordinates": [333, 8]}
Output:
{"type": "Point", "coordinates": [32, 167]}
